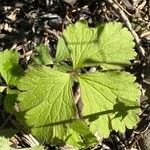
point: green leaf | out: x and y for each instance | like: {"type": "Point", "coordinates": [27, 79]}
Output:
{"type": "Point", "coordinates": [5, 144]}
{"type": "Point", "coordinates": [10, 101]}
{"type": "Point", "coordinates": [9, 68]}
{"type": "Point", "coordinates": [42, 55]}
{"type": "Point", "coordinates": [63, 67]}
{"type": "Point", "coordinates": [74, 139]}
{"type": "Point", "coordinates": [109, 100]}
{"type": "Point", "coordinates": [79, 135]}
{"type": "Point", "coordinates": [8, 132]}
{"type": "Point", "coordinates": [106, 44]}
{"type": "Point", "coordinates": [62, 50]}
{"type": "Point", "coordinates": [77, 39]}
{"type": "Point", "coordinates": [2, 88]}
{"type": "Point", "coordinates": [48, 100]}
{"type": "Point", "coordinates": [34, 148]}
{"type": "Point", "coordinates": [115, 45]}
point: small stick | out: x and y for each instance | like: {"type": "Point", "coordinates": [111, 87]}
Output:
{"type": "Point", "coordinates": [54, 33]}
{"type": "Point", "coordinates": [128, 24]}
{"type": "Point", "coordinates": [31, 140]}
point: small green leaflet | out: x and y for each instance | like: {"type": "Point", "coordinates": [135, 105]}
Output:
{"type": "Point", "coordinates": [10, 101]}
{"type": "Point", "coordinates": [106, 44]}
{"type": "Point", "coordinates": [48, 100]}
{"type": "Point", "coordinates": [62, 50]}
{"type": "Point", "coordinates": [9, 68]}
{"type": "Point", "coordinates": [109, 101]}
{"type": "Point", "coordinates": [42, 55]}
{"type": "Point", "coordinates": [11, 73]}
{"type": "Point", "coordinates": [80, 136]}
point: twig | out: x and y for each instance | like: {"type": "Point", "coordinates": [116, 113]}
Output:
{"type": "Point", "coordinates": [31, 140]}
{"type": "Point", "coordinates": [145, 34]}
{"type": "Point", "coordinates": [124, 10]}
{"type": "Point", "coordinates": [54, 33]}
{"type": "Point", "coordinates": [29, 53]}
{"type": "Point", "coordinates": [128, 24]}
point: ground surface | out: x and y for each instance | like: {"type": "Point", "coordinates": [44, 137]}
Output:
{"type": "Point", "coordinates": [24, 24]}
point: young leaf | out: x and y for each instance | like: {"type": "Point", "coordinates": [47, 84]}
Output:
{"type": "Point", "coordinates": [63, 67]}
{"type": "Point", "coordinates": [79, 135]}
{"type": "Point", "coordinates": [62, 50]}
{"type": "Point", "coordinates": [9, 68]}
{"type": "Point", "coordinates": [74, 139]}
{"type": "Point", "coordinates": [42, 55]}
{"type": "Point", "coordinates": [106, 44]}
{"type": "Point", "coordinates": [48, 100]}
{"type": "Point", "coordinates": [109, 101]}
{"type": "Point", "coordinates": [10, 100]}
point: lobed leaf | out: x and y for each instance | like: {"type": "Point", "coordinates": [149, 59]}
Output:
{"type": "Point", "coordinates": [109, 97]}
{"type": "Point", "coordinates": [109, 101]}
{"type": "Point", "coordinates": [48, 100]}
{"type": "Point", "coordinates": [62, 50]}
{"type": "Point", "coordinates": [9, 68]}
{"type": "Point", "coordinates": [78, 42]}
{"type": "Point", "coordinates": [106, 44]}
{"type": "Point", "coordinates": [42, 55]}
